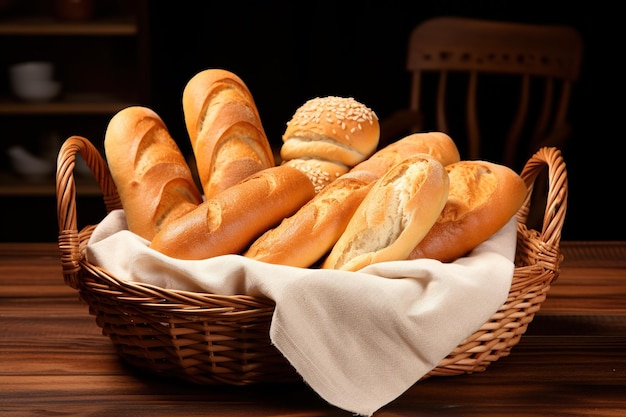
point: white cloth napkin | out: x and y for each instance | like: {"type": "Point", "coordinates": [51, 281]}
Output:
{"type": "Point", "coordinates": [359, 339]}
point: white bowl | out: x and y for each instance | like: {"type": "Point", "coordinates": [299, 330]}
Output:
{"type": "Point", "coordinates": [28, 165]}
{"type": "Point", "coordinates": [37, 91]}
{"type": "Point", "coordinates": [26, 72]}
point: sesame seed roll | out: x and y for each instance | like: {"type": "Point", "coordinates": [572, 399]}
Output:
{"type": "Point", "coordinates": [329, 135]}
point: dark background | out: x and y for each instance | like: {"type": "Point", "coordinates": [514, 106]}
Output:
{"type": "Point", "coordinates": [288, 52]}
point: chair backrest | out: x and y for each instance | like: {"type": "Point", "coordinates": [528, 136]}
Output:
{"type": "Point", "coordinates": [509, 80]}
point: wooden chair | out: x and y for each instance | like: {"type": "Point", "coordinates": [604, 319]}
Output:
{"type": "Point", "coordinates": [501, 90]}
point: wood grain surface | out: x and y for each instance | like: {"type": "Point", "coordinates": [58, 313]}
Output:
{"type": "Point", "coordinates": [55, 362]}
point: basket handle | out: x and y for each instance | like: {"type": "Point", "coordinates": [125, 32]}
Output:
{"type": "Point", "coordinates": [556, 202]}
{"type": "Point", "coordinates": [69, 238]}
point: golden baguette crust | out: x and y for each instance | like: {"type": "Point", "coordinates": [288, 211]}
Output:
{"type": "Point", "coordinates": [225, 129]}
{"type": "Point", "coordinates": [152, 177]}
{"type": "Point", "coordinates": [305, 237]}
{"type": "Point", "coordinates": [436, 144]}
{"type": "Point", "coordinates": [395, 215]}
{"type": "Point", "coordinates": [483, 197]}
{"type": "Point", "coordinates": [232, 219]}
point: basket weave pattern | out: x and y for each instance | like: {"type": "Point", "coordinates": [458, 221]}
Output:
{"type": "Point", "coordinates": [216, 339]}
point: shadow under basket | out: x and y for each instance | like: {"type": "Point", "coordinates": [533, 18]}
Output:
{"type": "Point", "coordinates": [216, 339]}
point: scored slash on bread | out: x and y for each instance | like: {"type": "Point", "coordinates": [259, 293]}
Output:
{"type": "Point", "coordinates": [228, 222]}
{"type": "Point", "coordinates": [225, 129]}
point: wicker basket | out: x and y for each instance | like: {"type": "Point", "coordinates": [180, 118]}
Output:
{"type": "Point", "coordinates": [216, 339]}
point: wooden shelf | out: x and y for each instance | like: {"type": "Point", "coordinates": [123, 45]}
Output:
{"type": "Point", "coordinates": [62, 107]}
{"type": "Point", "coordinates": [48, 26]}
{"type": "Point", "coordinates": [103, 65]}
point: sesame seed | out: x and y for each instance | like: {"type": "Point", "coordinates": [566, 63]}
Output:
{"type": "Point", "coordinates": [331, 109]}
{"type": "Point", "coordinates": [319, 177]}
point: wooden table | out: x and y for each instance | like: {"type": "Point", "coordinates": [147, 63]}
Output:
{"type": "Point", "coordinates": [571, 362]}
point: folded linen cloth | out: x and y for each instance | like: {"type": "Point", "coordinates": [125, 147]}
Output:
{"type": "Point", "coordinates": [359, 339]}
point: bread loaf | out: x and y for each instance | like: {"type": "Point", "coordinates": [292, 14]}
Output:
{"type": "Point", "coordinates": [153, 180]}
{"type": "Point", "coordinates": [339, 131]}
{"type": "Point", "coordinates": [225, 129]}
{"type": "Point", "coordinates": [395, 215]}
{"type": "Point", "coordinates": [304, 238]}
{"type": "Point", "coordinates": [233, 218]}
{"type": "Point", "coordinates": [483, 197]}
{"type": "Point", "coordinates": [436, 144]}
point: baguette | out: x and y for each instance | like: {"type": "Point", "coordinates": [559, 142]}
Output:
{"type": "Point", "coordinates": [483, 197]}
{"type": "Point", "coordinates": [436, 144]}
{"type": "Point", "coordinates": [225, 129]}
{"type": "Point", "coordinates": [304, 238]}
{"type": "Point", "coordinates": [395, 215]}
{"type": "Point", "coordinates": [153, 180]}
{"type": "Point", "coordinates": [228, 222]}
